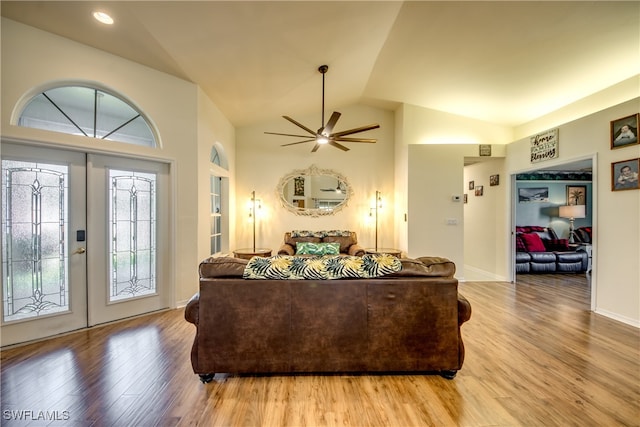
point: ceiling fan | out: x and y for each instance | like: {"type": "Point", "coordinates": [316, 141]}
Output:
{"type": "Point", "coordinates": [338, 189]}
{"type": "Point", "coordinates": [325, 135]}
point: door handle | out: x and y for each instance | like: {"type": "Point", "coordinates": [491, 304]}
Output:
{"type": "Point", "coordinates": [80, 251]}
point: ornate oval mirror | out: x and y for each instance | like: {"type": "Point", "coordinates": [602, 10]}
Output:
{"type": "Point", "coordinates": [314, 191]}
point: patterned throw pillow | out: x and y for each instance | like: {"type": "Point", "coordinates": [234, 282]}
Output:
{"type": "Point", "coordinates": [307, 233]}
{"type": "Point", "coordinates": [337, 233]}
{"type": "Point", "coordinates": [282, 267]}
{"type": "Point", "coordinates": [309, 248]}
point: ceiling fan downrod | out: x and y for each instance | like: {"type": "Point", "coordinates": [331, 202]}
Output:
{"type": "Point", "coordinates": [323, 69]}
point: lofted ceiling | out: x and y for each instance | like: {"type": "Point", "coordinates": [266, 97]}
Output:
{"type": "Point", "coordinates": [501, 62]}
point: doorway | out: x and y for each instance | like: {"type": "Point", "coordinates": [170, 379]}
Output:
{"type": "Point", "coordinates": [544, 190]}
{"type": "Point", "coordinates": [84, 240]}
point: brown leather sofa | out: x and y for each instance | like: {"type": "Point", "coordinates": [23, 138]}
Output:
{"type": "Point", "coordinates": [348, 243]}
{"type": "Point", "coordinates": [408, 321]}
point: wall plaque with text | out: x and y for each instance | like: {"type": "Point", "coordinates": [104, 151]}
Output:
{"type": "Point", "coordinates": [544, 146]}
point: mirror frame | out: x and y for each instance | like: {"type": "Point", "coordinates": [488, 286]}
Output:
{"type": "Point", "coordinates": [312, 170]}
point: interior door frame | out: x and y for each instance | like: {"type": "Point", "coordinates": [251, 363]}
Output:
{"type": "Point", "coordinates": [594, 215]}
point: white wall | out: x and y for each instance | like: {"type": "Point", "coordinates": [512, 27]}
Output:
{"type": "Point", "coordinates": [261, 162]}
{"type": "Point", "coordinates": [485, 244]}
{"type": "Point", "coordinates": [438, 144]}
{"type": "Point", "coordinates": [616, 215]}
{"type": "Point", "coordinates": [32, 59]}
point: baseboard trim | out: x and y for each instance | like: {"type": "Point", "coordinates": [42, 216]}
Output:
{"type": "Point", "coordinates": [474, 274]}
{"type": "Point", "coordinates": [614, 316]}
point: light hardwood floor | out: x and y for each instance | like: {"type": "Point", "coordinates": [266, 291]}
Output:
{"type": "Point", "coordinates": [535, 357]}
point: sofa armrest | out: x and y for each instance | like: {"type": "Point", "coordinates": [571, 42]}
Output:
{"type": "Point", "coordinates": [356, 250]}
{"type": "Point", "coordinates": [286, 249]}
{"type": "Point", "coordinates": [191, 310]}
{"type": "Point", "coordinates": [464, 310]}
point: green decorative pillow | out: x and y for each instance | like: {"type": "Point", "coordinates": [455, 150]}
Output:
{"type": "Point", "coordinates": [309, 248]}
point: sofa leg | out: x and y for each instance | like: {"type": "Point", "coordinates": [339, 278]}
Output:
{"type": "Point", "coordinates": [206, 378]}
{"type": "Point", "coordinates": [449, 374]}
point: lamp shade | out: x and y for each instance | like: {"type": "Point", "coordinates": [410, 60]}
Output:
{"type": "Point", "coordinates": [572, 211]}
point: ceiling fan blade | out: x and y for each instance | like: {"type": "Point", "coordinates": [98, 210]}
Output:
{"type": "Point", "coordinates": [343, 139]}
{"type": "Point", "coordinates": [300, 125]}
{"type": "Point", "coordinates": [287, 134]}
{"type": "Point", "coordinates": [331, 123]}
{"type": "Point", "coordinates": [340, 146]}
{"type": "Point", "coordinates": [355, 130]}
{"type": "Point", "coordinates": [299, 142]}
{"type": "Point", "coordinates": [315, 148]}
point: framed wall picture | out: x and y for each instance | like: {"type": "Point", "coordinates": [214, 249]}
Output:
{"type": "Point", "coordinates": [533, 194]}
{"type": "Point", "coordinates": [298, 186]}
{"type": "Point", "coordinates": [494, 180]}
{"type": "Point", "coordinates": [624, 175]}
{"type": "Point", "coordinates": [576, 194]}
{"type": "Point", "coordinates": [471, 185]}
{"type": "Point", "coordinates": [479, 190]}
{"type": "Point", "coordinates": [624, 131]}
{"type": "Point", "coordinates": [465, 197]}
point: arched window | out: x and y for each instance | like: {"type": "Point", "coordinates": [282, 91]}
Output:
{"type": "Point", "coordinates": [87, 111]}
{"type": "Point", "coordinates": [214, 157]}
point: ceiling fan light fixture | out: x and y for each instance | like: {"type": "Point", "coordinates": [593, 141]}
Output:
{"type": "Point", "coordinates": [322, 139]}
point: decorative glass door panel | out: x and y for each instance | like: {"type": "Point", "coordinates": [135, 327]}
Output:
{"type": "Point", "coordinates": [34, 224]}
{"type": "Point", "coordinates": [129, 263]}
{"type": "Point", "coordinates": [132, 214]}
{"type": "Point", "coordinates": [43, 266]}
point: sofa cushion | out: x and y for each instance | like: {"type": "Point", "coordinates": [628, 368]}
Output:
{"type": "Point", "coordinates": [583, 234]}
{"type": "Point", "coordinates": [309, 248]}
{"type": "Point", "coordinates": [222, 267]}
{"type": "Point", "coordinates": [426, 267]}
{"type": "Point", "coordinates": [543, 257]}
{"type": "Point", "coordinates": [307, 233]}
{"type": "Point", "coordinates": [290, 240]}
{"type": "Point", "coordinates": [282, 267]}
{"type": "Point", "coordinates": [533, 242]}
{"type": "Point", "coordinates": [556, 244]}
{"type": "Point", "coordinates": [520, 246]}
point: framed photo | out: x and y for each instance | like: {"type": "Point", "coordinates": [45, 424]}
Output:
{"type": "Point", "coordinates": [624, 175]}
{"type": "Point", "coordinates": [465, 197]}
{"type": "Point", "coordinates": [533, 194]}
{"type": "Point", "coordinates": [494, 180]}
{"type": "Point", "coordinates": [471, 185]}
{"type": "Point", "coordinates": [576, 194]}
{"type": "Point", "coordinates": [624, 132]}
{"type": "Point", "coordinates": [479, 190]}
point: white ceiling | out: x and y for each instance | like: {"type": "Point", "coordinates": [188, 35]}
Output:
{"type": "Point", "coordinates": [501, 62]}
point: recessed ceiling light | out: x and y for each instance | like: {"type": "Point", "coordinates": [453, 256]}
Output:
{"type": "Point", "coordinates": [103, 17]}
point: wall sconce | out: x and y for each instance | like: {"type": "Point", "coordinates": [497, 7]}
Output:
{"type": "Point", "coordinates": [254, 206]}
{"type": "Point", "coordinates": [375, 210]}
{"type": "Point", "coordinates": [572, 212]}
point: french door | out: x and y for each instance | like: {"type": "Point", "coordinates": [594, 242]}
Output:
{"type": "Point", "coordinates": [83, 240]}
